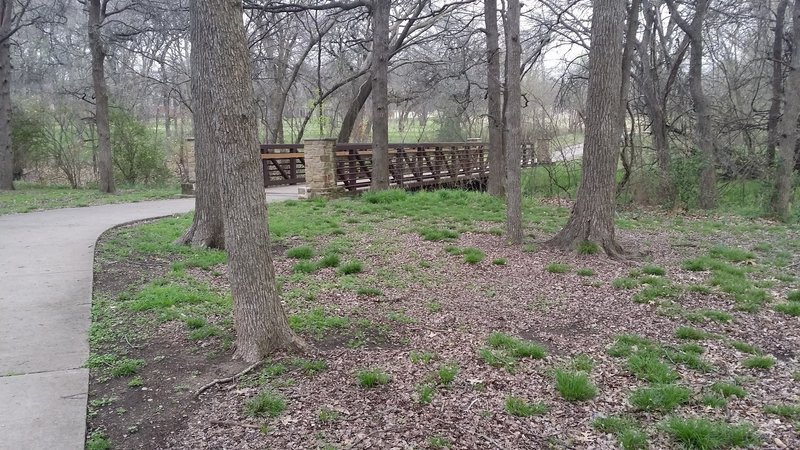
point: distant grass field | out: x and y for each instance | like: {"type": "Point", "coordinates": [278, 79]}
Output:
{"type": "Point", "coordinates": [34, 197]}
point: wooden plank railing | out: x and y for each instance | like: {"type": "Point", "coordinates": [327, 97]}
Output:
{"type": "Point", "coordinates": [418, 165]}
{"type": "Point", "coordinates": [283, 164]}
{"type": "Point", "coordinates": [411, 166]}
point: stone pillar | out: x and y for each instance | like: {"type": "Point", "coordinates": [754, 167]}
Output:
{"type": "Point", "coordinates": [320, 163]}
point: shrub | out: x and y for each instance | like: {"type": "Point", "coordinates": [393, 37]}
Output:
{"type": "Point", "coordinates": [138, 151]}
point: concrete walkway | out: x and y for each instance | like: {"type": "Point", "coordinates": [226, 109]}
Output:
{"type": "Point", "coordinates": [46, 264]}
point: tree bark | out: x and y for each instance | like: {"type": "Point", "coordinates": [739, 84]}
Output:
{"type": "Point", "coordinates": [777, 83]}
{"type": "Point", "coordinates": [703, 139]}
{"type": "Point", "coordinates": [6, 154]}
{"type": "Point", "coordinates": [512, 125]}
{"type": "Point", "coordinates": [789, 138]}
{"type": "Point", "coordinates": [592, 218]}
{"type": "Point", "coordinates": [104, 155]}
{"type": "Point", "coordinates": [380, 95]}
{"type": "Point", "coordinates": [497, 163]}
{"type": "Point", "coordinates": [259, 318]}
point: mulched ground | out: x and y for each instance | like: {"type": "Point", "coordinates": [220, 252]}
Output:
{"type": "Point", "coordinates": [567, 313]}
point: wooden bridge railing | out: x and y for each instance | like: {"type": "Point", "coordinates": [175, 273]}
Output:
{"type": "Point", "coordinates": [417, 165]}
{"type": "Point", "coordinates": [283, 164]}
{"type": "Point", "coordinates": [411, 166]}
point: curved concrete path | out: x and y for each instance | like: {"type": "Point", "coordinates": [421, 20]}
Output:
{"type": "Point", "coordinates": [46, 265]}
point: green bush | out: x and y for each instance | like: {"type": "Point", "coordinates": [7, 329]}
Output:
{"type": "Point", "coordinates": [139, 153]}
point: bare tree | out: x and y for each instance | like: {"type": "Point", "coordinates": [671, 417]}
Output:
{"type": "Point", "coordinates": [592, 218]}
{"type": "Point", "coordinates": [497, 172]}
{"type": "Point", "coordinates": [97, 15]}
{"type": "Point", "coordinates": [512, 124]}
{"type": "Point", "coordinates": [704, 139]}
{"type": "Point", "coordinates": [777, 82]}
{"type": "Point", "coordinates": [789, 132]}
{"type": "Point", "coordinates": [380, 93]}
{"type": "Point", "coordinates": [259, 318]}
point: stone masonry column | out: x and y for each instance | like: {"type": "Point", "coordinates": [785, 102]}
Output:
{"type": "Point", "coordinates": [320, 163]}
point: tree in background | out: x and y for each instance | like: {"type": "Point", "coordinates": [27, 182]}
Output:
{"type": "Point", "coordinates": [380, 94]}
{"type": "Point", "coordinates": [230, 120]}
{"type": "Point", "coordinates": [496, 182]}
{"type": "Point", "coordinates": [512, 125]}
{"type": "Point", "coordinates": [592, 218]}
{"type": "Point", "coordinates": [788, 127]}
{"type": "Point", "coordinates": [98, 13]}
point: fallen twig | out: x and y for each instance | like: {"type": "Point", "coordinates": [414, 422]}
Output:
{"type": "Point", "coordinates": [226, 380]}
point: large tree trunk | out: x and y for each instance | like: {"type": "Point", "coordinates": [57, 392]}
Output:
{"type": "Point", "coordinates": [592, 217]}
{"type": "Point", "coordinates": [512, 125]}
{"type": "Point", "coordinates": [789, 137]}
{"type": "Point", "coordinates": [259, 318]}
{"type": "Point", "coordinates": [497, 158]}
{"type": "Point", "coordinates": [703, 138]}
{"type": "Point", "coordinates": [380, 95]}
{"type": "Point", "coordinates": [104, 158]}
{"type": "Point", "coordinates": [777, 83]}
{"type": "Point", "coordinates": [6, 155]}
{"type": "Point", "coordinates": [351, 116]}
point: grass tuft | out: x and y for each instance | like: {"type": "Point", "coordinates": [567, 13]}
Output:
{"type": "Point", "coordinates": [371, 378]}
{"type": "Point", "coordinates": [704, 434]}
{"type": "Point", "coordinates": [728, 390]}
{"type": "Point", "coordinates": [784, 410]}
{"type": "Point", "coordinates": [625, 283]}
{"type": "Point", "coordinates": [447, 373]}
{"type": "Point", "coordinates": [690, 333]}
{"type": "Point", "coordinates": [584, 272]}
{"type": "Point", "coordinates": [519, 407]}
{"type": "Point", "coordinates": [499, 261]}
{"type": "Point", "coordinates": [558, 268]}
{"type": "Point", "coordinates": [789, 308]}
{"type": "Point", "coordinates": [329, 260]}
{"type": "Point", "coordinates": [301, 252]}
{"type": "Point", "coordinates": [653, 270]}
{"type": "Point", "coordinates": [351, 267]}
{"type": "Point", "coordinates": [759, 362]}
{"type": "Point", "coordinates": [587, 248]}
{"type": "Point", "coordinates": [473, 255]}
{"type": "Point", "coordinates": [425, 393]}
{"type": "Point", "coordinates": [660, 397]}
{"type": "Point", "coordinates": [265, 404]}
{"type": "Point", "coordinates": [435, 234]}
{"type": "Point", "coordinates": [574, 386]}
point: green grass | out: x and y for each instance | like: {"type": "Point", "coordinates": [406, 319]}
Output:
{"type": "Point", "coordinates": [587, 248]}
{"type": "Point", "coordinates": [29, 197]}
{"type": "Point", "coordinates": [417, 357]}
{"type": "Point", "coordinates": [162, 295]}
{"type": "Point", "coordinates": [369, 292]}
{"type": "Point", "coordinates": [499, 261]}
{"type": "Point", "coordinates": [728, 390]}
{"type": "Point", "coordinates": [654, 270]}
{"type": "Point", "coordinates": [310, 367]}
{"type": "Point", "coordinates": [713, 401]}
{"type": "Point", "coordinates": [558, 268]}
{"type": "Point", "coordinates": [301, 252]}
{"type": "Point", "coordinates": [473, 255]}
{"type": "Point", "coordinates": [351, 267]}
{"type": "Point", "coordinates": [574, 386]}
{"type": "Point", "coordinates": [627, 431]}
{"type": "Point", "coordinates": [584, 272]}
{"type": "Point", "coordinates": [327, 415]}
{"type": "Point", "coordinates": [434, 234]}
{"type": "Point", "coordinates": [265, 404]}
{"type": "Point", "coordinates": [793, 296]}
{"type": "Point", "coordinates": [626, 345]}
{"type": "Point", "coordinates": [439, 442]}
{"type": "Point", "coordinates": [690, 333]}
{"type": "Point", "coordinates": [732, 254]}
{"type": "Point", "coordinates": [660, 397]}
{"type": "Point", "coordinates": [370, 378]}
{"type": "Point", "coordinates": [317, 322]}
{"type": "Point", "coordinates": [789, 308]}
{"type": "Point", "coordinates": [198, 334]}
{"type": "Point", "coordinates": [98, 441]}
{"type": "Point", "coordinates": [744, 347]}
{"type": "Point", "coordinates": [625, 283]}
{"type": "Point", "coordinates": [496, 358]}
{"type": "Point", "coordinates": [126, 367]}
{"type": "Point", "coordinates": [194, 323]}
{"type": "Point", "coordinates": [784, 410]}
{"type": "Point", "coordinates": [582, 362]}
{"type": "Point", "coordinates": [515, 347]}
{"type": "Point", "coordinates": [759, 362]}
{"type": "Point", "coordinates": [648, 366]}
{"type": "Point", "coordinates": [329, 260]}
{"type": "Point", "coordinates": [704, 434]}
{"type": "Point", "coordinates": [519, 407]}
{"type": "Point", "coordinates": [447, 373]}
{"type": "Point", "coordinates": [425, 393]}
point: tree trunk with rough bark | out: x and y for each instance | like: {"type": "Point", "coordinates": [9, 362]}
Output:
{"type": "Point", "coordinates": [259, 318]}
{"type": "Point", "coordinates": [6, 152]}
{"type": "Point", "coordinates": [512, 125]}
{"type": "Point", "coordinates": [98, 50]}
{"type": "Point", "coordinates": [789, 138]}
{"type": "Point", "coordinates": [497, 158]}
{"type": "Point", "coordinates": [777, 83]}
{"type": "Point", "coordinates": [380, 95]}
{"type": "Point", "coordinates": [592, 217]}
{"type": "Point", "coordinates": [703, 138]}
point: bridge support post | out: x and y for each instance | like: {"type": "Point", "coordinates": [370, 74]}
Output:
{"type": "Point", "coordinates": [320, 164]}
